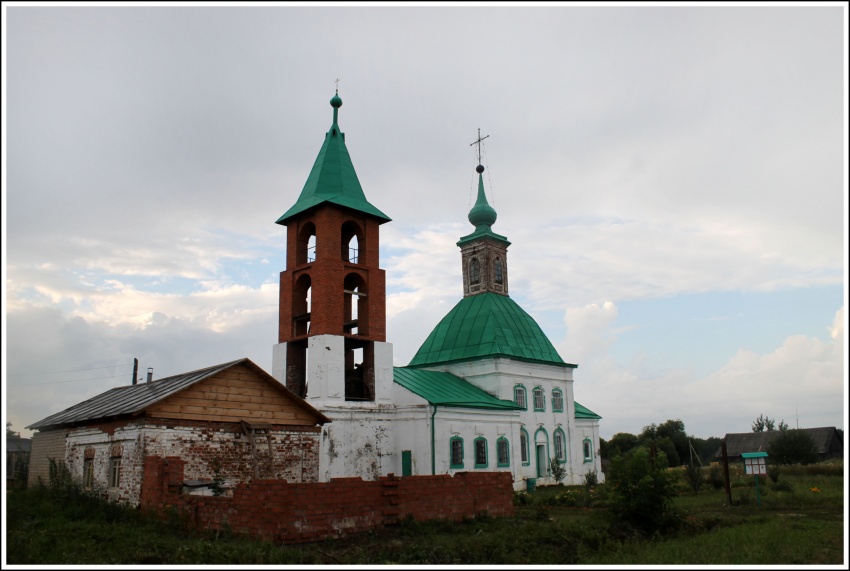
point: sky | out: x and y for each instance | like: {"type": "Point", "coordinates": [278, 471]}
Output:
{"type": "Point", "coordinates": [672, 180]}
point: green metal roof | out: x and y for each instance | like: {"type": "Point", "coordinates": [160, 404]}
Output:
{"type": "Point", "coordinates": [482, 216]}
{"type": "Point", "coordinates": [446, 389]}
{"type": "Point", "coordinates": [586, 413]}
{"type": "Point", "coordinates": [487, 325]}
{"type": "Point", "coordinates": [333, 178]}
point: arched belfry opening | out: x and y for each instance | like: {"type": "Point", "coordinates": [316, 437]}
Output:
{"type": "Point", "coordinates": [306, 248]}
{"type": "Point", "coordinates": [352, 236]}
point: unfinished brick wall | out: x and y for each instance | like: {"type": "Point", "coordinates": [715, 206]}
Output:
{"type": "Point", "coordinates": [297, 513]}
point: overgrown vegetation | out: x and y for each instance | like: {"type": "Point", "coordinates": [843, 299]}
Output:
{"type": "Point", "coordinates": [800, 521]}
{"type": "Point", "coordinates": [792, 447]}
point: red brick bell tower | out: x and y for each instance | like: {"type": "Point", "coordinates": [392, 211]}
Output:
{"type": "Point", "coordinates": [333, 292]}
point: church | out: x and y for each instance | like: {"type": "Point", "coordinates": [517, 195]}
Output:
{"type": "Point", "coordinates": [486, 391]}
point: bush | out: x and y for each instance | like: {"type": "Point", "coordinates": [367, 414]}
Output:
{"type": "Point", "coordinates": [558, 470]}
{"type": "Point", "coordinates": [641, 491]}
{"type": "Point", "coordinates": [693, 476]}
{"type": "Point", "coordinates": [715, 477]}
{"type": "Point", "coordinates": [773, 473]}
{"type": "Point", "coordinates": [590, 479]}
{"type": "Point", "coordinates": [792, 447]}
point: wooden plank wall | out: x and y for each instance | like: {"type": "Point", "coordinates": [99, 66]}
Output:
{"type": "Point", "coordinates": [230, 396]}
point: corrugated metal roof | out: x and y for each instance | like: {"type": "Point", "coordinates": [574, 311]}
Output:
{"type": "Point", "coordinates": [487, 325]}
{"type": "Point", "coordinates": [584, 412]}
{"type": "Point", "coordinates": [132, 399]}
{"type": "Point", "coordinates": [446, 389]}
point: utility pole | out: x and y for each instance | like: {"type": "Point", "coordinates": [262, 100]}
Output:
{"type": "Point", "coordinates": [726, 471]}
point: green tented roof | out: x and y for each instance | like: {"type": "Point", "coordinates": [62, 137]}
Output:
{"type": "Point", "coordinates": [333, 178]}
{"type": "Point", "coordinates": [446, 389]}
{"type": "Point", "coordinates": [487, 325]}
{"type": "Point", "coordinates": [582, 412]}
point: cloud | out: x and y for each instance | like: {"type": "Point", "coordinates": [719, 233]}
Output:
{"type": "Point", "coordinates": [804, 375]}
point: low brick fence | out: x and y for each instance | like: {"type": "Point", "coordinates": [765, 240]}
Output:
{"type": "Point", "coordinates": [297, 513]}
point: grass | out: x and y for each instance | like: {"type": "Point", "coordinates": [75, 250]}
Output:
{"type": "Point", "coordinates": [793, 525]}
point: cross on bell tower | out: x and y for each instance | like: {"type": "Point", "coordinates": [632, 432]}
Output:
{"type": "Point", "coordinates": [484, 254]}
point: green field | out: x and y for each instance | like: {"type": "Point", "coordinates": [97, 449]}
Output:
{"type": "Point", "coordinates": [800, 521]}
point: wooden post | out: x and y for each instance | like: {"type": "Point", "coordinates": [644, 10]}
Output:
{"type": "Point", "coordinates": [135, 370]}
{"type": "Point", "coordinates": [726, 472]}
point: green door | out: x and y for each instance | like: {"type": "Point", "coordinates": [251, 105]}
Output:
{"type": "Point", "coordinates": [406, 464]}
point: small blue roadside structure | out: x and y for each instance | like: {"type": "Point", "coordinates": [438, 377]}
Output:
{"type": "Point", "coordinates": [755, 463]}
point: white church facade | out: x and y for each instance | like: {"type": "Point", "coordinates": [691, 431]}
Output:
{"type": "Point", "coordinates": [486, 391]}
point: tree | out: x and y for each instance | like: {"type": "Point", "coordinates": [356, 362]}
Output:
{"type": "Point", "coordinates": [619, 444]}
{"type": "Point", "coordinates": [642, 490]}
{"type": "Point", "coordinates": [9, 431]}
{"type": "Point", "coordinates": [763, 423]}
{"type": "Point", "coordinates": [792, 447]}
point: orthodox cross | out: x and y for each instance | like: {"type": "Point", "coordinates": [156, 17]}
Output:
{"type": "Point", "coordinates": [478, 142]}
{"type": "Point", "coordinates": [337, 84]}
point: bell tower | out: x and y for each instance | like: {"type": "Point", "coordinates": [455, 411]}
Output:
{"type": "Point", "coordinates": [484, 254]}
{"type": "Point", "coordinates": [332, 307]}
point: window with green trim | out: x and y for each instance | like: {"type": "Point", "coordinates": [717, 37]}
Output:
{"type": "Point", "coordinates": [588, 450]}
{"type": "Point", "coordinates": [557, 400]}
{"type": "Point", "coordinates": [519, 396]}
{"type": "Point", "coordinates": [539, 399]}
{"type": "Point", "coordinates": [560, 445]}
{"type": "Point", "coordinates": [497, 270]}
{"type": "Point", "coordinates": [456, 450]}
{"type": "Point", "coordinates": [523, 447]}
{"type": "Point", "coordinates": [480, 447]}
{"type": "Point", "coordinates": [503, 456]}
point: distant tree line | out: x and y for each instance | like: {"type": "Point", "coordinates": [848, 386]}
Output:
{"type": "Point", "coordinates": [668, 437]}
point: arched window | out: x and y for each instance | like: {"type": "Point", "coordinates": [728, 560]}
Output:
{"type": "Point", "coordinates": [497, 270]}
{"type": "Point", "coordinates": [480, 446]}
{"type": "Point", "coordinates": [519, 396]}
{"type": "Point", "coordinates": [474, 271]}
{"type": "Point", "coordinates": [539, 399]}
{"type": "Point", "coordinates": [523, 447]}
{"type": "Point", "coordinates": [588, 450]}
{"type": "Point", "coordinates": [456, 451]}
{"type": "Point", "coordinates": [503, 456]}
{"type": "Point", "coordinates": [557, 400]}
{"type": "Point", "coordinates": [560, 446]}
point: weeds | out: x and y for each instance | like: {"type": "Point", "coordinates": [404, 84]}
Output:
{"type": "Point", "coordinates": [555, 525]}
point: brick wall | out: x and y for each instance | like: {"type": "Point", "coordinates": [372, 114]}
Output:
{"type": "Point", "coordinates": [212, 450]}
{"type": "Point", "coordinates": [296, 513]}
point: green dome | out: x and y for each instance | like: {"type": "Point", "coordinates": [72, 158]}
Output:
{"type": "Point", "coordinates": [336, 102]}
{"type": "Point", "coordinates": [487, 325]}
{"type": "Point", "coordinates": [482, 215]}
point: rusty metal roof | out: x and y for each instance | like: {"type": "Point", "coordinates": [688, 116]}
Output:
{"type": "Point", "coordinates": [133, 399]}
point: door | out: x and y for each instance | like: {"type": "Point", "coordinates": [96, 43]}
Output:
{"type": "Point", "coordinates": [542, 463]}
{"type": "Point", "coordinates": [406, 463]}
